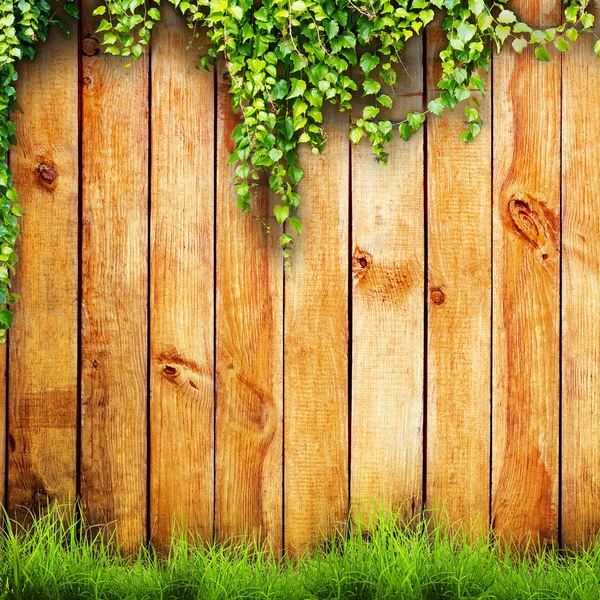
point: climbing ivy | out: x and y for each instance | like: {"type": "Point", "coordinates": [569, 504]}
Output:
{"type": "Point", "coordinates": [286, 59]}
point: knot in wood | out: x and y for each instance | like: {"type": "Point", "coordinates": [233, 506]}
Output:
{"type": "Point", "coordinates": [361, 263]}
{"type": "Point", "coordinates": [528, 222]}
{"type": "Point", "coordinates": [437, 296]}
{"type": "Point", "coordinates": [47, 173]}
{"type": "Point", "coordinates": [169, 370]}
{"type": "Point", "coordinates": [41, 497]}
{"type": "Point", "coordinates": [87, 80]}
{"type": "Point", "coordinates": [90, 45]}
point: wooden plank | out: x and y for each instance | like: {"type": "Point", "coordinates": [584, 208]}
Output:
{"type": "Point", "coordinates": [249, 338]}
{"type": "Point", "coordinates": [42, 457]}
{"type": "Point", "coordinates": [459, 310]}
{"type": "Point", "coordinates": [182, 287]}
{"type": "Point", "coordinates": [114, 343]}
{"type": "Point", "coordinates": [316, 346]}
{"type": "Point", "coordinates": [526, 288]}
{"type": "Point", "coordinates": [581, 307]}
{"type": "Point", "coordinates": [388, 312]}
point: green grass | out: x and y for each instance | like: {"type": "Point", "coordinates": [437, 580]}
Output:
{"type": "Point", "coordinates": [392, 562]}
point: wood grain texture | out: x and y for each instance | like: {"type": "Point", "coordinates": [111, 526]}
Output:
{"type": "Point", "coordinates": [42, 432]}
{"type": "Point", "coordinates": [459, 182]}
{"type": "Point", "coordinates": [388, 244]}
{"type": "Point", "coordinates": [316, 346]}
{"type": "Point", "coordinates": [182, 286]}
{"type": "Point", "coordinates": [526, 288]}
{"type": "Point", "coordinates": [114, 338]}
{"type": "Point", "coordinates": [249, 337]}
{"type": "Point", "coordinates": [581, 307]}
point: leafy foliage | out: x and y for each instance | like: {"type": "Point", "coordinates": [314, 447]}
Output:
{"type": "Point", "coordinates": [286, 60]}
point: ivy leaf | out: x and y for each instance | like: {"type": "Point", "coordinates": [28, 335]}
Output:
{"type": "Point", "coordinates": [519, 45]}
{"type": "Point", "coordinates": [280, 89]}
{"type": "Point", "coordinates": [368, 62]}
{"type": "Point", "coordinates": [405, 130]}
{"type": "Point", "coordinates": [415, 120]}
{"type": "Point", "coordinates": [561, 44]}
{"type": "Point", "coordinates": [476, 7]}
{"type": "Point", "coordinates": [356, 134]}
{"type": "Point", "coordinates": [332, 28]}
{"type": "Point", "coordinates": [385, 100]}
{"type": "Point", "coordinates": [298, 88]}
{"type": "Point", "coordinates": [295, 224]}
{"type": "Point", "coordinates": [370, 86]}
{"type": "Point", "coordinates": [507, 16]}
{"type": "Point", "coordinates": [542, 54]}
{"type": "Point", "coordinates": [370, 112]}
{"type": "Point", "coordinates": [281, 213]}
{"type": "Point", "coordinates": [436, 107]}
{"type": "Point", "coordinates": [6, 318]}
{"type": "Point", "coordinates": [597, 48]}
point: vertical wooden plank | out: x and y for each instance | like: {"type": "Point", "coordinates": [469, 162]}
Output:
{"type": "Point", "coordinates": [114, 336]}
{"type": "Point", "coordinates": [459, 310]}
{"type": "Point", "coordinates": [249, 338]}
{"type": "Point", "coordinates": [388, 312]}
{"type": "Point", "coordinates": [526, 287]}
{"type": "Point", "coordinates": [182, 286]}
{"type": "Point", "coordinates": [43, 344]}
{"type": "Point", "coordinates": [581, 307]}
{"type": "Point", "coordinates": [316, 346]}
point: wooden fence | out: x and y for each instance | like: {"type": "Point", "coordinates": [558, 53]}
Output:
{"type": "Point", "coordinates": [436, 342]}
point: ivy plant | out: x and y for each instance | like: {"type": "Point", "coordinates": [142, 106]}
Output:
{"type": "Point", "coordinates": [286, 59]}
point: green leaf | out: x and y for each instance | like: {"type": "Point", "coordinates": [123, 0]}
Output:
{"type": "Point", "coordinates": [519, 45]}
{"type": "Point", "coordinates": [370, 112]}
{"type": "Point", "coordinates": [415, 120]}
{"type": "Point", "coordinates": [295, 224]}
{"type": "Point", "coordinates": [356, 134]}
{"type": "Point", "coordinates": [597, 48]}
{"type": "Point", "coordinates": [507, 16]}
{"type": "Point", "coordinates": [281, 213]}
{"type": "Point", "coordinates": [331, 27]}
{"type": "Point", "coordinates": [542, 54]}
{"type": "Point", "coordinates": [154, 14]}
{"type": "Point", "coordinates": [405, 130]}
{"type": "Point", "coordinates": [280, 89]}
{"type": "Point", "coordinates": [298, 88]}
{"type": "Point", "coordinates": [6, 318]}
{"type": "Point", "coordinates": [368, 62]}
{"type": "Point", "coordinates": [99, 11]}
{"type": "Point", "coordinates": [436, 107]}
{"type": "Point", "coordinates": [561, 44]}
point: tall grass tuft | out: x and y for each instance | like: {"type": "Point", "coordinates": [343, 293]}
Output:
{"type": "Point", "coordinates": [52, 560]}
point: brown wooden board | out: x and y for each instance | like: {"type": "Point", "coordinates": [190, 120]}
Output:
{"type": "Point", "coordinates": [249, 338]}
{"type": "Point", "coordinates": [316, 346]}
{"type": "Point", "coordinates": [42, 422]}
{"type": "Point", "coordinates": [114, 336]}
{"type": "Point", "coordinates": [526, 299]}
{"type": "Point", "coordinates": [459, 194]}
{"type": "Point", "coordinates": [581, 309]}
{"type": "Point", "coordinates": [182, 285]}
{"type": "Point", "coordinates": [388, 246]}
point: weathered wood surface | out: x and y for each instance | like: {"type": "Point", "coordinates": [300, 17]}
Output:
{"type": "Point", "coordinates": [42, 452]}
{"type": "Point", "coordinates": [222, 394]}
{"type": "Point", "coordinates": [388, 272]}
{"type": "Point", "coordinates": [181, 287]}
{"type": "Point", "coordinates": [459, 310]}
{"type": "Point", "coordinates": [580, 293]}
{"type": "Point", "coordinates": [316, 347]}
{"type": "Point", "coordinates": [249, 353]}
{"type": "Point", "coordinates": [526, 313]}
{"type": "Point", "coordinates": [114, 271]}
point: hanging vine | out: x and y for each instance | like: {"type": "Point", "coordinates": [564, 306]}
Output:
{"type": "Point", "coordinates": [286, 59]}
